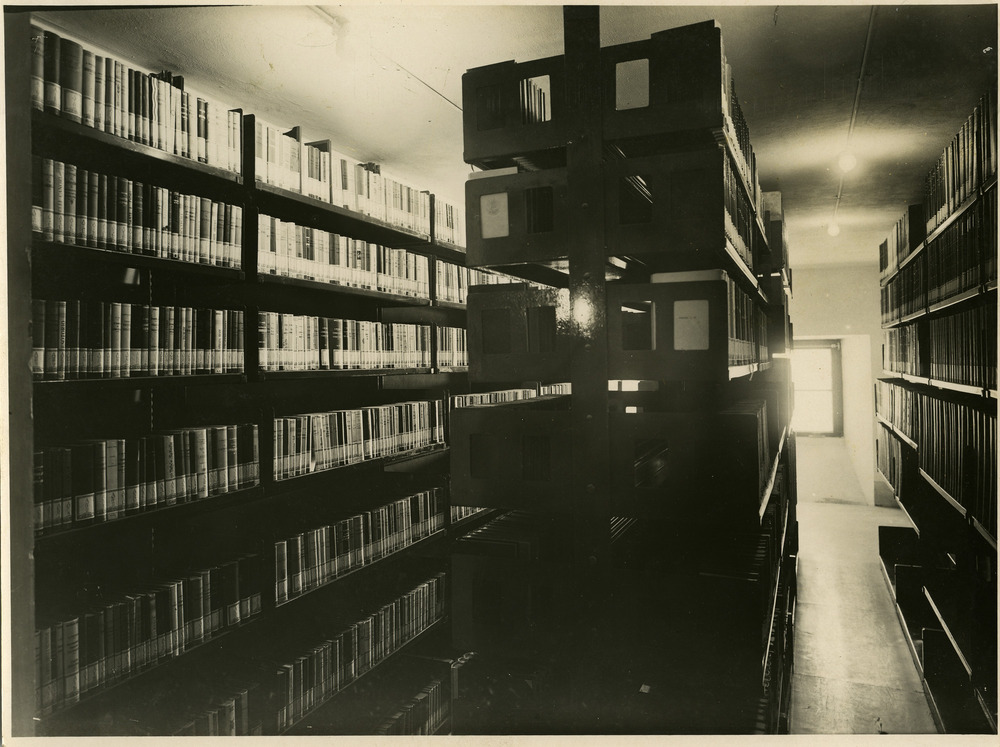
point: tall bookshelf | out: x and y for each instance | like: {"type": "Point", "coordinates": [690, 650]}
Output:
{"type": "Point", "coordinates": [648, 528]}
{"type": "Point", "coordinates": [307, 514]}
{"type": "Point", "coordinates": [936, 409]}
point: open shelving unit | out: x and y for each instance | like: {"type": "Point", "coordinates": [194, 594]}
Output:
{"type": "Point", "coordinates": [936, 421]}
{"type": "Point", "coordinates": [77, 570]}
{"type": "Point", "coordinates": [665, 321]}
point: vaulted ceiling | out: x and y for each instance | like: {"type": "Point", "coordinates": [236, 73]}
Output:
{"type": "Point", "coordinates": [384, 83]}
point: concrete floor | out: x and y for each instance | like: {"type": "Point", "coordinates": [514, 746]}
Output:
{"type": "Point", "coordinates": [853, 673]}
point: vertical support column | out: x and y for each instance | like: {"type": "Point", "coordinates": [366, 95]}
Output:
{"type": "Point", "coordinates": [18, 543]}
{"type": "Point", "coordinates": [585, 193]}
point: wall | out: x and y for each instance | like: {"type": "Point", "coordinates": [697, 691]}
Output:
{"type": "Point", "coordinates": [842, 302]}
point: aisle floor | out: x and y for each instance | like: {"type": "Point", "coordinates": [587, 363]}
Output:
{"type": "Point", "coordinates": [853, 673]}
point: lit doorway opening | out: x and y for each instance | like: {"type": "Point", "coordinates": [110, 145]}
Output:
{"type": "Point", "coordinates": [819, 389]}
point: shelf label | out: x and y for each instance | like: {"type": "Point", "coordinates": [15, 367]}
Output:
{"type": "Point", "coordinates": [493, 212]}
{"type": "Point", "coordinates": [691, 325]}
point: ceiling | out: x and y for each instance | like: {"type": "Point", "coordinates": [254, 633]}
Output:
{"type": "Point", "coordinates": [384, 83]}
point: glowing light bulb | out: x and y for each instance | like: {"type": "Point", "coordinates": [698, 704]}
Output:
{"type": "Point", "coordinates": [847, 161]}
{"type": "Point", "coordinates": [833, 229]}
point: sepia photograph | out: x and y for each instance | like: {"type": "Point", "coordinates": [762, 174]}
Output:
{"type": "Point", "coordinates": [520, 372]}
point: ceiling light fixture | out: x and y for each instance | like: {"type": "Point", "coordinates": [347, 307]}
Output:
{"type": "Point", "coordinates": [847, 161]}
{"type": "Point", "coordinates": [833, 229]}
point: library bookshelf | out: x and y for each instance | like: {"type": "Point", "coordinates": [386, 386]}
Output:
{"type": "Point", "coordinates": [647, 527]}
{"type": "Point", "coordinates": [231, 387]}
{"type": "Point", "coordinates": [936, 427]}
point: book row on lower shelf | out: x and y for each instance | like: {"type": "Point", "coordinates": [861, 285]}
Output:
{"type": "Point", "coordinates": [889, 456]}
{"type": "Point", "coordinates": [98, 91]}
{"type": "Point", "coordinates": [955, 440]}
{"type": "Point", "coordinates": [107, 479]}
{"type": "Point", "coordinates": [114, 635]}
{"type": "Point", "coordinates": [251, 693]}
{"type": "Point", "coordinates": [77, 339]}
{"type": "Point", "coordinates": [75, 83]}
{"type": "Point", "coordinates": [303, 678]}
{"type": "Point", "coordinates": [423, 715]}
{"type": "Point", "coordinates": [959, 348]}
{"type": "Point", "coordinates": [315, 557]}
{"type": "Point", "coordinates": [71, 205]}
{"type": "Point", "coordinates": [316, 442]}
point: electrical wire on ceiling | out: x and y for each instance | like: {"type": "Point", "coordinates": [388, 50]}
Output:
{"type": "Point", "coordinates": [857, 103]}
{"type": "Point", "coordinates": [339, 28]}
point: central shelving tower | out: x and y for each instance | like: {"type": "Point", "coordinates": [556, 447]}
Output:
{"type": "Point", "coordinates": [642, 579]}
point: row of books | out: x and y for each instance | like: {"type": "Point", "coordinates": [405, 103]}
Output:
{"type": "Point", "coordinates": [906, 293]}
{"type": "Point", "coordinates": [71, 205]}
{"type": "Point", "coordinates": [316, 170]}
{"type": "Point", "coordinates": [957, 447]}
{"type": "Point", "coordinates": [901, 350]}
{"type": "Point", "coordinates": [889, 456]}
{"type": "Point", "coordinates": [963, 347]}
{"type": "Point", "coordinates": [905, 237]}
{"type": "Point", "coordinates": [560, 388]}
{"type": "Point", "coordinates": [534, 102]}
{"type": "Point", "coordinates": [895, 404]}
{"type": "Point", "coordinates": [745, 158]}
{"type": "Point", "coordinates": [747, 327]}
{"type": "Point", "coordinates": [449, 223]}
{"type": "Point", "coordinates": [421, 716]}
{"type": "Point", "coordinates": [740, 214]}
{"type": "Point", "coordinates": [118, 635]}
{"type": "Point", "coordinates": [969, 162]}
{"type": "Point", "coordinates": [300, 681]}
{"type": "Point", "coordinates": [453, 281]}
{"type": "Point", "coordinates": [290, 250]}
{"type": "Point", "coordinates": [105, 339]}
{"type": "Point", "coordinates": [288, 342]}
{"type": "Point", "coordinates": [153, 109]}
{"type": "Point", "coordinates": [477, 399]}
{"type": "Point", "coordinates": [964, 255]}
{"type": "Point", "coordinates": [315, 557]}
{"type": "Point", "coordinates": [107, 479]}
{"type": "Point", "coordinates": [316, 442]}
{"type": "Point", "coordinates": [460, 513]}
{"type": "Point", "coordinates": [452, 347]}
{"type": "Point", "coordinates": [202, 708]}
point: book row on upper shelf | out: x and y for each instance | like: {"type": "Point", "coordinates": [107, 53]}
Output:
{"type": "Point", "coordinates": [960, 348]}
{"type": "Point", "coordinates": [962, 258]}
{"type": "Point", "coordinates": [954, 441]}
{"type": "Point", "coordinates": [102, 480]}
{"type": "Point", "coordinates": [967, 166]}
{"type": "Point", "coordinates": [71, 205]}
{"type": "Point", "coordinates": [315, 557]}
{"type": "Point", "coordinates": [316, 442]}
{"type": "Point", "coordinates": [77, 339]}
{"type": "Point", "coordinates": [154, 109]}
{"type": "Point", "coordinates": [111, 635]}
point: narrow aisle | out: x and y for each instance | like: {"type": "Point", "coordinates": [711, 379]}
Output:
{"type": "Point", "coordinates": [853, 673]}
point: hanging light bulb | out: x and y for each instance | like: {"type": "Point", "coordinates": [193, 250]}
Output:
{"type": "Point", "coordinates": [833, 229]}
{"type": "Point", "coordinates": [847, 162]}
